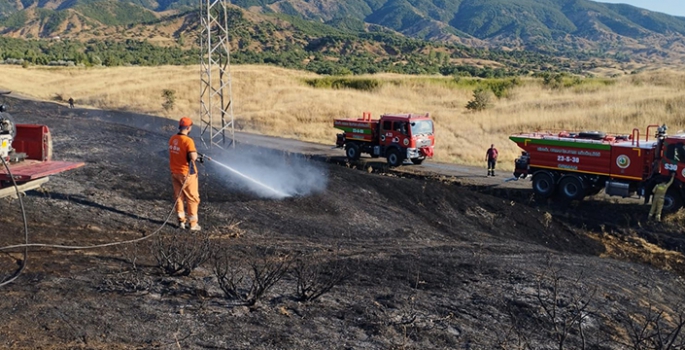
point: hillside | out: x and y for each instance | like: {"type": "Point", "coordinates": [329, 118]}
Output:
{"type": "Point", "coordinates": [274, 39]}
{"type": "Point", "coordinates": [301, 105]}
{"type": "Point", "coordinates": [575, 29]}
{"type": "Point", "coordinates": [400, 263]}
{"type": "Point", "coordinates": [546, 26]}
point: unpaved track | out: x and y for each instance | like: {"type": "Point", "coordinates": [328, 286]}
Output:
{"type": "Point", "coordinates": [439, 263]}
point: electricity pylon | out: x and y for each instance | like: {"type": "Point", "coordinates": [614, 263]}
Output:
{"type": "Point", "coordinates": [216, 100]}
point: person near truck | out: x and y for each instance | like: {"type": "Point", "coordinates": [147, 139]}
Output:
{"type": "Point", "coordinates": [182, 161]}
{"type": "Point", "coordinates": [659, 192]}
{"type": "Point", "coordinates": [491, 158]}
{"type": "Point", "coordinates": [401, 127]}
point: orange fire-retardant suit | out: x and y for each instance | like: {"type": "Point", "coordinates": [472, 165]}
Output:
{"type": "Point", "coordinates": [658, 200]}
{"type": "Point", "coordinates": [184, 175]}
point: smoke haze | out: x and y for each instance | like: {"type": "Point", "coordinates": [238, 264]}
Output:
{"type": "Point", "coordinates": [269, 174]}
{"type": "Point", "coordinates": [262, 172]}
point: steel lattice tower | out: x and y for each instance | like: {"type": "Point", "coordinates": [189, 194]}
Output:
{"type": "Point", "coordinates": [216, 110]}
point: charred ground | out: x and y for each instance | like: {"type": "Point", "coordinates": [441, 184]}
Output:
{"type": "Point", "coordinates": [429, 262]}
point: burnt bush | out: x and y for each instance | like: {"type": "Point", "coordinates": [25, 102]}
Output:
{"type": "Point", "coordinates": [178, 254]}
{"type": "Point", "coordinates": [315, 277]}
{"type": "Point", "coordinates": [655, 328]}
{"type": "Point", "coordinates": [564, 306]}
{"type": "Point", "coordinates": [247, 277]}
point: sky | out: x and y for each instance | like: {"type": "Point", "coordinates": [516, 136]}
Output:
{"type": "Point", "coordinates": [671, 7]}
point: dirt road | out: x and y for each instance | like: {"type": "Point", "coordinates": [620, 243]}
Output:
{"type": "Point", "coordinates": [427, 261]}
{"type": "Point", "coordinates": [164, 126]}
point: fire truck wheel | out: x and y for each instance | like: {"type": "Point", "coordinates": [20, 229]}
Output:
{"type": "Point", "coordinates": [394, 157]}
{"type": "Point", "coordinates": [672, 201]}
{"type": "Point", "coordinates": [352, 151]}
{"type": "Point", "coordinates": [543, 184]}
{"type": "Point", "coordinates": [571, 188]}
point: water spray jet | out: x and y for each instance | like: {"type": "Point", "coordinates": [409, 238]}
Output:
{"type": "Point", "coordinates": [277, 193]}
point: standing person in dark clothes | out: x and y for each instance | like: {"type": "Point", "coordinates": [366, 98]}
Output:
{"type": "Point", "coordinates": [71, 102]}
{"type": "Point", "coordinates": [491, 158]}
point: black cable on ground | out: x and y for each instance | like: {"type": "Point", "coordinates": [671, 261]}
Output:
{"type": "Point", "coordinates": [26, 229]}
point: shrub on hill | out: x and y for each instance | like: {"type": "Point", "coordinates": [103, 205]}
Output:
{"type": "Point", "coordinates": [481, 99]}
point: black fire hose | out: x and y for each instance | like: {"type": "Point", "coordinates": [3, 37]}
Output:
{"type": "Point", "coordinates": [22, 265]}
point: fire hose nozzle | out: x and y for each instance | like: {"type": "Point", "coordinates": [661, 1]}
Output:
{"type": "Point", "coordinates": [201, 157]}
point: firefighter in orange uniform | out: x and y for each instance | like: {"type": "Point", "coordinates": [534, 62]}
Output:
{"type": "Point", "coordinates": [658, 201]}
{"type": "Point", "coordinates": [182, 161]}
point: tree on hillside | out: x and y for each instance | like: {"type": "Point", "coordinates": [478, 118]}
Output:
{"type": "Point", "coordinates": [481, 99]}
{"type": "Point", "coordinates": [169, 97]}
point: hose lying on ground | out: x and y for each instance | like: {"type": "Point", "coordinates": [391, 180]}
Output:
{"type": "Point", "coordinates": [27, 245]}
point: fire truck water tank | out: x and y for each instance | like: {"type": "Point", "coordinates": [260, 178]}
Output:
{"type": "Point", "coordinates": [617, 189]}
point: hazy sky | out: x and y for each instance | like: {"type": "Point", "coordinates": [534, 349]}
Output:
{"type": "Point", "coordinates": [672, 7]}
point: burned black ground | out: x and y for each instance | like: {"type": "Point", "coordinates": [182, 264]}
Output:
{"type": "Point", "coordinates": [435, 263]}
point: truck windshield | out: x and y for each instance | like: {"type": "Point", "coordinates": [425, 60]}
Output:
{"type": "Point", "coordinates": [676, 152]}
{"type": "Point", "coordinates": [422, 127]}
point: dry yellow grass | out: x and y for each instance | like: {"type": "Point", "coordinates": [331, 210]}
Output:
{"type": "Point", "coordinates": [276, 101]}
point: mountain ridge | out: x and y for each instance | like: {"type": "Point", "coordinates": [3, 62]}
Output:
{"type": "Point", "coordinates": [555, 27]}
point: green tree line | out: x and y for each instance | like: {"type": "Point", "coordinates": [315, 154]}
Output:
{"type": "Point", "coordinates": [328, 51]}
{"type": "Point", "coordinates": [108, 53]}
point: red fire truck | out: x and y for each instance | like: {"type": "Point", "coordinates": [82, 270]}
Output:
{"type": "Point", "coordinates": [575, 165]}
{"type": "Point", "coordinates": [26, 152]}
{"type": "Point", "coordinates": [394, 136]}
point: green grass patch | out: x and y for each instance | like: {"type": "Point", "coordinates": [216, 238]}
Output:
{"type": "Point", "coordinates": [452, 83]}
{"type": "Point", "coordinates": [579, 81]}
{"type": "Point", "coordinates": [581, 85]}
{"type": "Point", "coordinates": [499, 87]}
{"type": "Point", "coordinates": [361, 84]}
{"type": "Point", "coordinates": [502, 87]}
